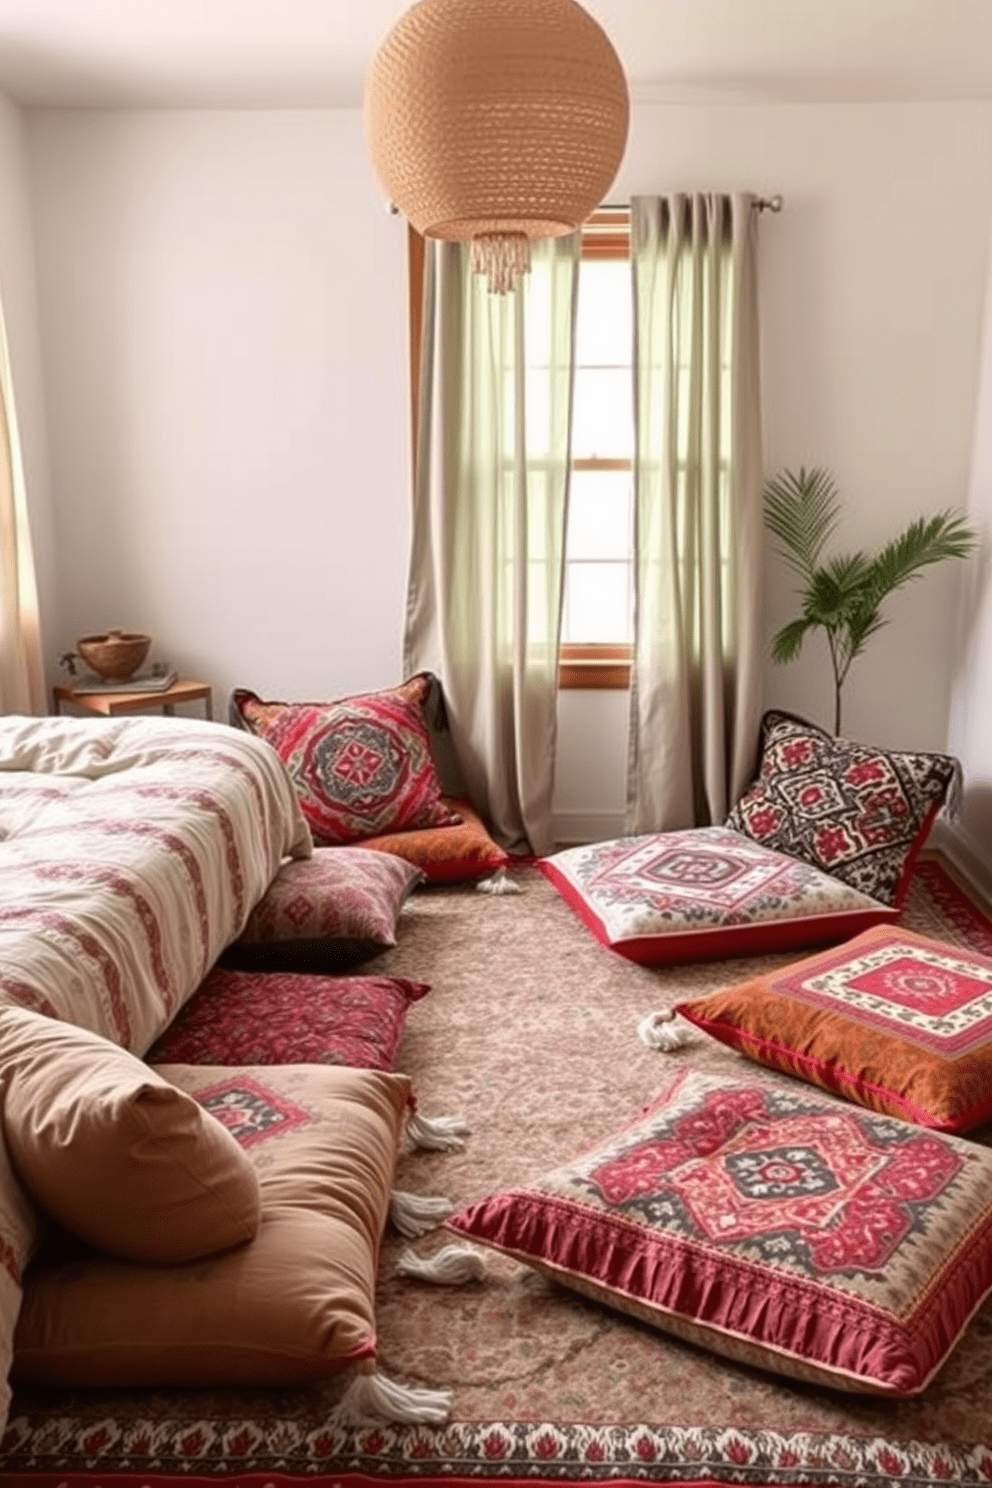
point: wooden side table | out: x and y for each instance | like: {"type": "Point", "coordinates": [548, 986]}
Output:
{"type": "Point", "coordinates": [110, 704]}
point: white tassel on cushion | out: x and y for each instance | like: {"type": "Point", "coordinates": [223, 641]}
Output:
{"type": "Point", "coordinates": [371, 1398]}
{"type": "Point", "coordinates": [415, 1214]}
{"type": "Point", "coordinates": [661, 1031]}
{"type": "Point", "coordinates": [451, 1266]}
{"type": "Point", "coordinates": [500, 883]}
{"type": "Point", "coordinates": [436, 1133]}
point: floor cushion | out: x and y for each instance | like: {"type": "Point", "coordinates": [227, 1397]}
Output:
{"type": "Point", "coordinates": [295, 1303]}
{"type": "Point", "coordinates": [678, 896]}
{"type": "Point", "coordinates": [771, 1223]}
{"type": "Point", "coordinates": [331, 910]}
{"type": "Point", "coordinates": [251, 1017]}
{"type": "Point", "coordinates": [114, 1152]}
{"type": "Point", "coordinates": [446, 854]}
{"type": "Point", "coordinates": [859, 813]}
{"type": "Point", "coordinates": [893, 1020]}
{"type": "Point", "coordinates": [361, 765]}
{"type": "Point", "coordinates": [20, 1227]}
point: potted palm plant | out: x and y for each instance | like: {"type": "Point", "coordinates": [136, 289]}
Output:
{"type": "Point", "coordinates": [843, 595]}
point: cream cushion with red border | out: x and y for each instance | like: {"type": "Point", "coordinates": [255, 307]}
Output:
{"type": "Point", "coordinates": [295, 1303]}
{"type": "Point", "coordinates": [771, 1223]}
{"type": "Point", "coordinates": [676, 896]}
{"type": "Point", "coordinates": [895, 1021]}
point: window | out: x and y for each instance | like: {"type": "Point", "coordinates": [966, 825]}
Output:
{"type": "Point", "coordinates": [597, 611]}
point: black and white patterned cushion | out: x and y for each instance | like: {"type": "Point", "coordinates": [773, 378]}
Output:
{"type": "Point", "coordinates": [857, 812]}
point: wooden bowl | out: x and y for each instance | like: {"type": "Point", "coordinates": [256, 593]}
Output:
{"type": "Point", "coordinates": [114, 655]}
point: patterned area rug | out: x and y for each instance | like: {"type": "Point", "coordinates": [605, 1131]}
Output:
{"type": "Point", "coordinates": [529, 1031]}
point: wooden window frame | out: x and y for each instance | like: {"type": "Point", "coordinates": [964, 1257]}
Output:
{"type": "Point", "coordinates": [599, 665]}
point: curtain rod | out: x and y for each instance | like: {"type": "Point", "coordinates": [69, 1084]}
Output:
{"type": "Point", "coordinates": [761, 204]}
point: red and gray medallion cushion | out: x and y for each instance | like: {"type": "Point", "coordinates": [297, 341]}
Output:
{"type": "Point", "coordinates": [859, 813]}
{"type": "Point", "coordinates": [708, 891]}
{"type": "Point", "coordinates": [772, 1224]}
{"type": "Point", "coordinates": [337, 907]}
{"type": "Point", "coordinates": [897, 1022]}
{"type": "Point", "coordinates": [361, 765]}
{"type": "Point", "coordinates": [245, 1017]}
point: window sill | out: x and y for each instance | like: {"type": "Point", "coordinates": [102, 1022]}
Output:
{"type": "Point", "coordinates": [603, 667]}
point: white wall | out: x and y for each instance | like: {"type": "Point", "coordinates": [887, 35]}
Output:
{"type": "Point", "coordinates": [223, 301]}
{"type": "Point", "coordinates": [18, 295]}
{"type": "Point", "coordinates": [224, 333]}
{"type": "Point", "coordinates": [970, 733]}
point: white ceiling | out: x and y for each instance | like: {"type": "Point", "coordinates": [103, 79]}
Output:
{"type": "Point", "coordinates": [314, 53]}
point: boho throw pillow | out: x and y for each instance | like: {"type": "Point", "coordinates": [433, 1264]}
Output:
{"type": "Point", "coordinates": [676, 896]}
{"type": "Point", "coordinates": [361, 765]}
{"type": "Point", "coordinates": [251, 1017]}
{"type": "Point", "coordinates": [115, 1153]}
{"type": "Point", "coordinates": [892, 1020]}
{"type": "Point", "coordinates": [19, 1230]}
{"type": "Point", "coordinates": [447, 854]}
{"type": "Point", "coordinates": [859, 813]}
{"type": "Point", "coordinates": [296, 1303]}
{"type": "Point", "coordinates": [339, 906]}
{"type": "Point", "coordinates": [772, 1224]}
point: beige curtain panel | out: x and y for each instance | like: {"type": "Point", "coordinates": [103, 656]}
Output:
{"type": "Point", "coordinates": [22, 679]}
{"type": "Point", "coordinates": [490, 495]}
{"type": "Point", "coordinates": [696, 678]}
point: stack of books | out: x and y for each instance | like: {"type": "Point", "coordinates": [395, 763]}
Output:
{"type": "Point", "coordinates": [141, 682]}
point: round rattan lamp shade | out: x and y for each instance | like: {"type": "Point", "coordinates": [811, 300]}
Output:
{"type": "Point", "coordinates": [500, 119]}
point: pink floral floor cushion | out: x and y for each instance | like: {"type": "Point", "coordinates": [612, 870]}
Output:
{"type": "Point", "coordinates": [710, 891]}
{"type": "Point", "coordinates": [245, 1018]}
{"type": "Point", "coordinates": [326, 912]}
{"type": "Point", "coordinates": [772, 1224]}
{"type": "Point", "coordinates": [861, 814]}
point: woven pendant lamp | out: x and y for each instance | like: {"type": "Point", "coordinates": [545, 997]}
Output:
{"type": "Point", "coordinates": [493, 122]}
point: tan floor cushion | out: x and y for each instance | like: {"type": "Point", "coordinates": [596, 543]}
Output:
{"type": "Point", "coordinates": [115, 1153]}
{"type": "Point", "coordinates": [294, 1303]}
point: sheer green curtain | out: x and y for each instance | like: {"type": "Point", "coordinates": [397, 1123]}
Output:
{"type": "Point", "coordinates": [22, 680]}
{"type": "Point", "coordinates": [490, 502]}
{"type": "Point", "coordinates": [696, 678]}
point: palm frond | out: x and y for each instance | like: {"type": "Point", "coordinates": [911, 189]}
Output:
{"type": "Point", "coordinates": [802, 509]}
{"type": "Point", "coordinates": [788, 643]}
{"type": "Point", "coordinates": [925, 541]}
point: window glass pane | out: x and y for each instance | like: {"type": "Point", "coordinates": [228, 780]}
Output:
{"type": "Point", "coordinates": [597, 603]}
{"type": "Point", "coordinates": [604, 322]}
{"type": "Point", "coordinates": [537, 513]}
{"type": "Point", "coordinates": [599, 514]}
{"type": "Point", "coordinates": [537, 604]}
{"type": "Point", "coordinates": [537, 411]}
{"type": "Point", "coordinates": [602, 415]}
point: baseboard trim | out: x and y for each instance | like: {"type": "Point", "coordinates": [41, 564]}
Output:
{"type": "Point", "coordinates": [964, 854]}
{"type": "Point", "coordinates": [572, 828]}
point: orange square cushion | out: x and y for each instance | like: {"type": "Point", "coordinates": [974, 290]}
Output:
{"type": "Point", "coordinates": [445, 854]}
{"type": "Point", "coordinates": [295, 1303]}
{"type": "Point", "coordinates": [899, 1023]}
{"type": "Point", "coordinates": [113, 1152]}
